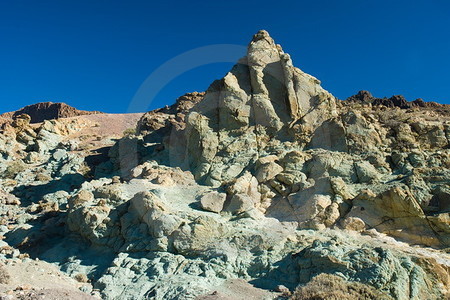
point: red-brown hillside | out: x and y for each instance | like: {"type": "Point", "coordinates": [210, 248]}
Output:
{"type": "Point", "coordinates": [40, 112]}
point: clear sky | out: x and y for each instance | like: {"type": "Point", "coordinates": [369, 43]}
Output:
{"type": "Point", "coordinates": [95, 55]}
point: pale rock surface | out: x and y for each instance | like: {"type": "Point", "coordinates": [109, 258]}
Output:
{"type": "Point", "coordinates": [353, 223]}
{"type": "Point", "coordinates": [396, 212]}
{"type": "Point", "coordinates": [213, 201]}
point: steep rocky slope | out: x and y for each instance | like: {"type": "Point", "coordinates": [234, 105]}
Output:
{"type": "Point", "coordinates": [263, 183]}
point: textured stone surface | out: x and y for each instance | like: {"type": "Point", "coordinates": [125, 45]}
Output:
{"type": "Point", "coordinates": [213, 201]}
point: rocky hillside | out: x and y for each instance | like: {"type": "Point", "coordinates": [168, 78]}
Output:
{"type": "Point", "coordinates": [264, 187]}
{"type": "Point", "coordinates": [40, 112]}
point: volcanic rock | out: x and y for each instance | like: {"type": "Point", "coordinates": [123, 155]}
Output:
{"type": "Point", "coordinates": [47, 111]}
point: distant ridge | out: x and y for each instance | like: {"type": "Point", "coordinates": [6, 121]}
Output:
{"type": "Point", "coordinates": [40, 112]}
{"type": "Point", "coordinates": [394, 101]}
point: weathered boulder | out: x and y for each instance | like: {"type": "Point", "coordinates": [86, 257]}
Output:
{"type": "Point", "coordinates": [313, 210]}
{"type": "Point", "coordinates": [213, 201]}
{"type": "Point", "coordinates": [353, 223]}
{"type": "Point", "coordinates": [268, 171]}
{"type": "Point", "coordinates": [153, 212]}
{"type": "Point", "coordinates": [395, 212]}
{"type": "Point", "coordinates": [240, 203]}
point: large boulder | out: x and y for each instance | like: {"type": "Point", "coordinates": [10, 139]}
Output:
{"type": "Point", "coordinates": [395, 212]}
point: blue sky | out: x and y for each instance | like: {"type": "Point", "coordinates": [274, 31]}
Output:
{"type": "Point", "coordinates": [95, 55]}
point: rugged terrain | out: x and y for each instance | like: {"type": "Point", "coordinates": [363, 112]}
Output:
{"type": "Point", "coordinates": [265, 186]}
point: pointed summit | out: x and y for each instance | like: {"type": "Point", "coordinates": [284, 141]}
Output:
{"type": "Point", "coordinates": [262, 49]}
{"type": "Point", "coordinates": [281, 93]}
{"type": "Point", "coordinates": [263, 41]}
{"type": "Point", "coordinates": [265, 88]}
{"type": "Point", "coordinates": [261, 35]}
{"type": "Point", "coordinates": [263, 99]}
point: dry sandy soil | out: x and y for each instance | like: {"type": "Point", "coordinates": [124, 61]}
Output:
{"type": "Point", "coordinates": [237, 289]}
{"type": "Point", "coordinates": [31, 279]}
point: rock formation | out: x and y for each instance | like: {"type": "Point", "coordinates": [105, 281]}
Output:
{"type": "Point", "coordinates": [394, 101]}
{"type": "Point", "coordinates": [265, 177]}
{"type": "Point", "coordinates": [46, 111]}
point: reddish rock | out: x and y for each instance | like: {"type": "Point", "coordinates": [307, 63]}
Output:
{"type": "Point", "coordinates": [45, 111]}
{"type": "Point", "coordinates": [394, 101]}
{"type": "Point", "coordinates": [362, 96]}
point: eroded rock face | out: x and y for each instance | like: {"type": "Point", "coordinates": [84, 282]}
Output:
{"type": "Point", "coordinates": [213, 201]}
{"type": "Point", "coordinates": [269, 120]}
{"type": "Point", "coordinates": [262, 97]}
{"type": "Point", "coordinates": [241, 116]}
{"type": "Point", "coordinates": [396, 212]}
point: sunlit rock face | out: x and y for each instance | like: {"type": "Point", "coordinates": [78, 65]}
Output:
{"type": "Point", "coordinates": [270, 121]}
{"type": "Point", "coordinates": [262, 105]}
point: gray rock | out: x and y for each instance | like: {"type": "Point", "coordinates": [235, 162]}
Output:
{"type": "Point", "coordinates": [394, 211]}
{"type": "Point", "coordinates": [268, 171]}
{"type": "Point", "coordinates": [397, 275]}
{"type": "Point", "coordinates": [213, 201]}
{"type": "Point", "coordinates": [353, 223]}
{"type": "Point", "coordinates": [289, 157]}
{"type": "Point", "coordinates": [240, 203]}
{"type": "Point", "coordinates": [366, 172]}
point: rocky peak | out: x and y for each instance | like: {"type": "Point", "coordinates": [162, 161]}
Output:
{"type": "Point", "coordinates": [269, 135]}
{"type": "Point", "coordinates": [263, 99]}
{"type": "Point", "coordinates": [362, 96]}
{"type": "Point", "coordinates": [264, 88]}
{"type": "Point", "coordinates": [281, 93]}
